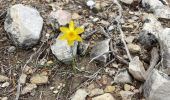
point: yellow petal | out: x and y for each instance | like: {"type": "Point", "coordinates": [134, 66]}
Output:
{"type": "Point", "coordinates": [71, 25]}
{"type": "Point", "coordinates": [64, 29]}
{"type": "Point", "coordinates": [62, 37]}
{"type": "Point", "coordinates": [78, 38]}
{"type": "Point", "coordinates": [70, 43]}
{"type": "Point", "coordinates": [79, 30]}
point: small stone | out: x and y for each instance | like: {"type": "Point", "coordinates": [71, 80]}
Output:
{"type": "Point", "coordinates": [24, 25]}
{"type": "Point", "coordinates": [3, 78]}
{"type": "Point", "coordinates": [130, 39]}
{"type": "Point", "coordinates": [115, 65]}
{"type": "Point", "coordinates": [110, 71]}
{"type": "Point", "coordinates": [95, 19]}
{"type": "Point", "coordinates": [123, 76]}
{"type": "Point", "coordinates": [76, 16]}
{"type": "Point", "coordinates": [127, 87]}
{"type": "Point", "coordinates": [111, 28]}
{"type": "Point", "coordinates": [52, 88]}
{"type": "Point", "coordinates": [63, 51]}
{"type": "Point", "coordinates": [106, 96]}
{"type": "Point", "coordinates": [28, 70]}
{"type": "Point", "coordinates": [4, 98]}
{"type": "Point", "coordinates": [39, 79]}
{"type": "Point", "coordinates": [55, 92]}
{"type": "Point", "coordinates": [23, 78]}
{"type": "Point", "coordinates": [11, 49]}
{"type": "Point", "coordinates": [134, 48]}
{"type": "Point", "coordinates": [126, 95]}
{"type": "Point", "coordinates": [136, 68]}
{"type": "Point", "coordinates": [29, 88]}
{"type": "Point", "coordinates": [96, 91]}
{"type": "Point", "coordinates": [99, 49]}
{"type": "Point", "coordinates": [55, 16]}
{"type": "Point", "coordinates": [50, 62]}
{"type": "Point", "coordinates": [109, 89]}
{"type": "Point", "coordinates": [80, 94]}
{"type": "Point", "coordinates": [91, 87]}
{"type": "Point", "coordinates": [6, 84]}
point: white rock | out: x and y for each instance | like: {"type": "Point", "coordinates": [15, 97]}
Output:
{"type": "Point", "coordinates": [96, 91]}
{"type": "Point", "coordinates": [39, 79]}
{"type": "Point", "coordinates": [55, 92]}
{"type": "Point", "coordinates": [3, 78]}
{"type": "Point", "coordinates": [23, 78]}
{"type": "Point", "coordinates": [80, 95]}
{"type": "Point", "coordinates": [127, 1]}
{"type": "Point", "coordinates": [130, 39]}
{"type": "Point", "coordinates": [157, 86]}
{"type": "Point", "coordinates": [4, 98]}
{"type": "Point", "coordinates": [99, 49]}
{"type": "Point", "coordinates": [136, 68]}
{"type": "Point", "coordinates": [28, 88]}
{"type": "Point", "coordinates": [164, 39]}
{"type": "Point", "coordinates": [63, 51]}
{"type": "Point", "coordinates": [126, 95]}
{"type": "Point", "coordinates": [153, 4]}
{"type": "Point", "coordinates": [24, 25]}
{"type": "Point", "coordinates": [163, 12]}
{"type": "Point", "coordinates": [6, 84]}
{"type": "Point", "coordinates": [106, 96]}
{"type": "Point", "coordinates": [61, 16]}
{"type": "Point", "coordinates": [123, 76]}
{"type": "Point", "coordinates": [90, 3]}
{"type": "Point", "coordinates": [134, 48]}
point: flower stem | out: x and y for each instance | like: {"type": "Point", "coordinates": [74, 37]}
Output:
{"type": "Point", "coordinates": [74, 64]}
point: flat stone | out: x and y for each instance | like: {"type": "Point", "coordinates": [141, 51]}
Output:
{"type": "Point", "coordinates": [96, 91]}
{"type": "Point", "coordinates": [157, 86]}
{"type": "Point", "coordinates": [3, 78]}
{"type": "Point", "coordinates": [123, 76]}
{"type": "Point", "coordinates": [63, 51]}
{"type": "Point", "coordinates": [23, 78]}
{"type": "Point", "coordinates": [133, 48]}
{"type": "Point", "coordinates": [29, 88]}
{"type": "Point", "coordinates": [99, 49]}
{"type": "Point", "coordinates": [39, 79]}
{"type": "Point", "coordinates": [23, 25]}
{"type": "Point", "coordinates": [106, 96]}
{"type": "Point", "coordinates": [126, 95]}
{"type": "Point", "coordinates": [136, 68]}
{"type": "Point", "coordinates": [80, 94]}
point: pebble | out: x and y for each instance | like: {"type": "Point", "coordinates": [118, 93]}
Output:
{"type": "Point", "coordinates": [39, 79]}
{"type": "Point", "coordinates": [6, 84]}
{"type": "Point", "coordinates": [23, 78]}
{"type": "Point", "coordinates": [133, 48]}
{"type": "Point", "coordinates": [80, 94]}
{"type": "Point", "coordinates": [129, 39]}
{"type": "Point", "coordinates": [11, 49]}
{"type": "Point", "coordinates": [126, 95]}
{"type": "Point", "coordinates": [3, 78]}
{"type": "Point", "coordinates": [109, 89]}
{"type": "Point", "coordinates": [55, 92]}
{"type": "Point", "coordinates": [28, 88]}
{"type": "Point", "coordinates": [96, 91]}
{"type": "Point", "coordinates": [127, 87]}
{"type": "Point", "coordinates": [106, 96]}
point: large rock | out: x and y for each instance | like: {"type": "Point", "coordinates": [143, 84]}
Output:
{"type": "Point", "coordinates": [99, 49]}
{"type": "Point", "coordinates": [153, 4]}
{"type": "Point", "coordinates": [63, 51]}
{"type": "Point", "coordinates": [164, 40]}
{"type": "Point", "coordinates": [157, 86]}
{"type": "Point", "coordinates": [24, 25]}
{"type": "Point", "coordinates": [136, 68]}
{"type": "Point", "coordinates": [123, 76]}
{"type": "Point", "coordinates": [80, 95]}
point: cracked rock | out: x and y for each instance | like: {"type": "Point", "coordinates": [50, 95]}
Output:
{"type": "Point", "coordinates": [136, 68]}
{"type": "Point", "coordinates": [99, 49]}
{"type": "Point", "coordinates": [24, 25]}
{"type": "Point", "coordinates": [157, 86]}
{"type": "Point", "coordinates": [63, 51]}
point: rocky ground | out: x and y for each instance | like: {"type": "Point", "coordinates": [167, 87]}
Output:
{"type": "Point", "coordinates": [124, 54]}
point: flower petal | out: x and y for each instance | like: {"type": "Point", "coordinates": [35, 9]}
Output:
{"type": "Point", "coordinates": [71, 25]}
{"type": "Point", "coordinates": [79, 30]}
{"type": "Point", "coordinates": [70, 43]}
{"type": "Point", "coordinates": [78, 38]}
{"type": "Point", "coordinates": [62, 37]}
{"type": "Point", "coordinates": [64, 29]}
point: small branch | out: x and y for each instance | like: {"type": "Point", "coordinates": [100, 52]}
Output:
{"type": "Point", "coordinates": [117, 19]}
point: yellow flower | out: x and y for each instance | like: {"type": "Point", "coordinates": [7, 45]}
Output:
{"type": "Point", "coordinates": [71, 34]}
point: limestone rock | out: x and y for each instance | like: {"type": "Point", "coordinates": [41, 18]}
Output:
{"type": "Point", "coordinates": [99, 49]}
{"type": "Point", "coordinates": [136, 68]}
{"type": "Point", "coordinates": [24, 25]}
{"type": "Point", "coordinates": [63, 51]}
{"type": "Point", "coordinates": [157, 86]}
